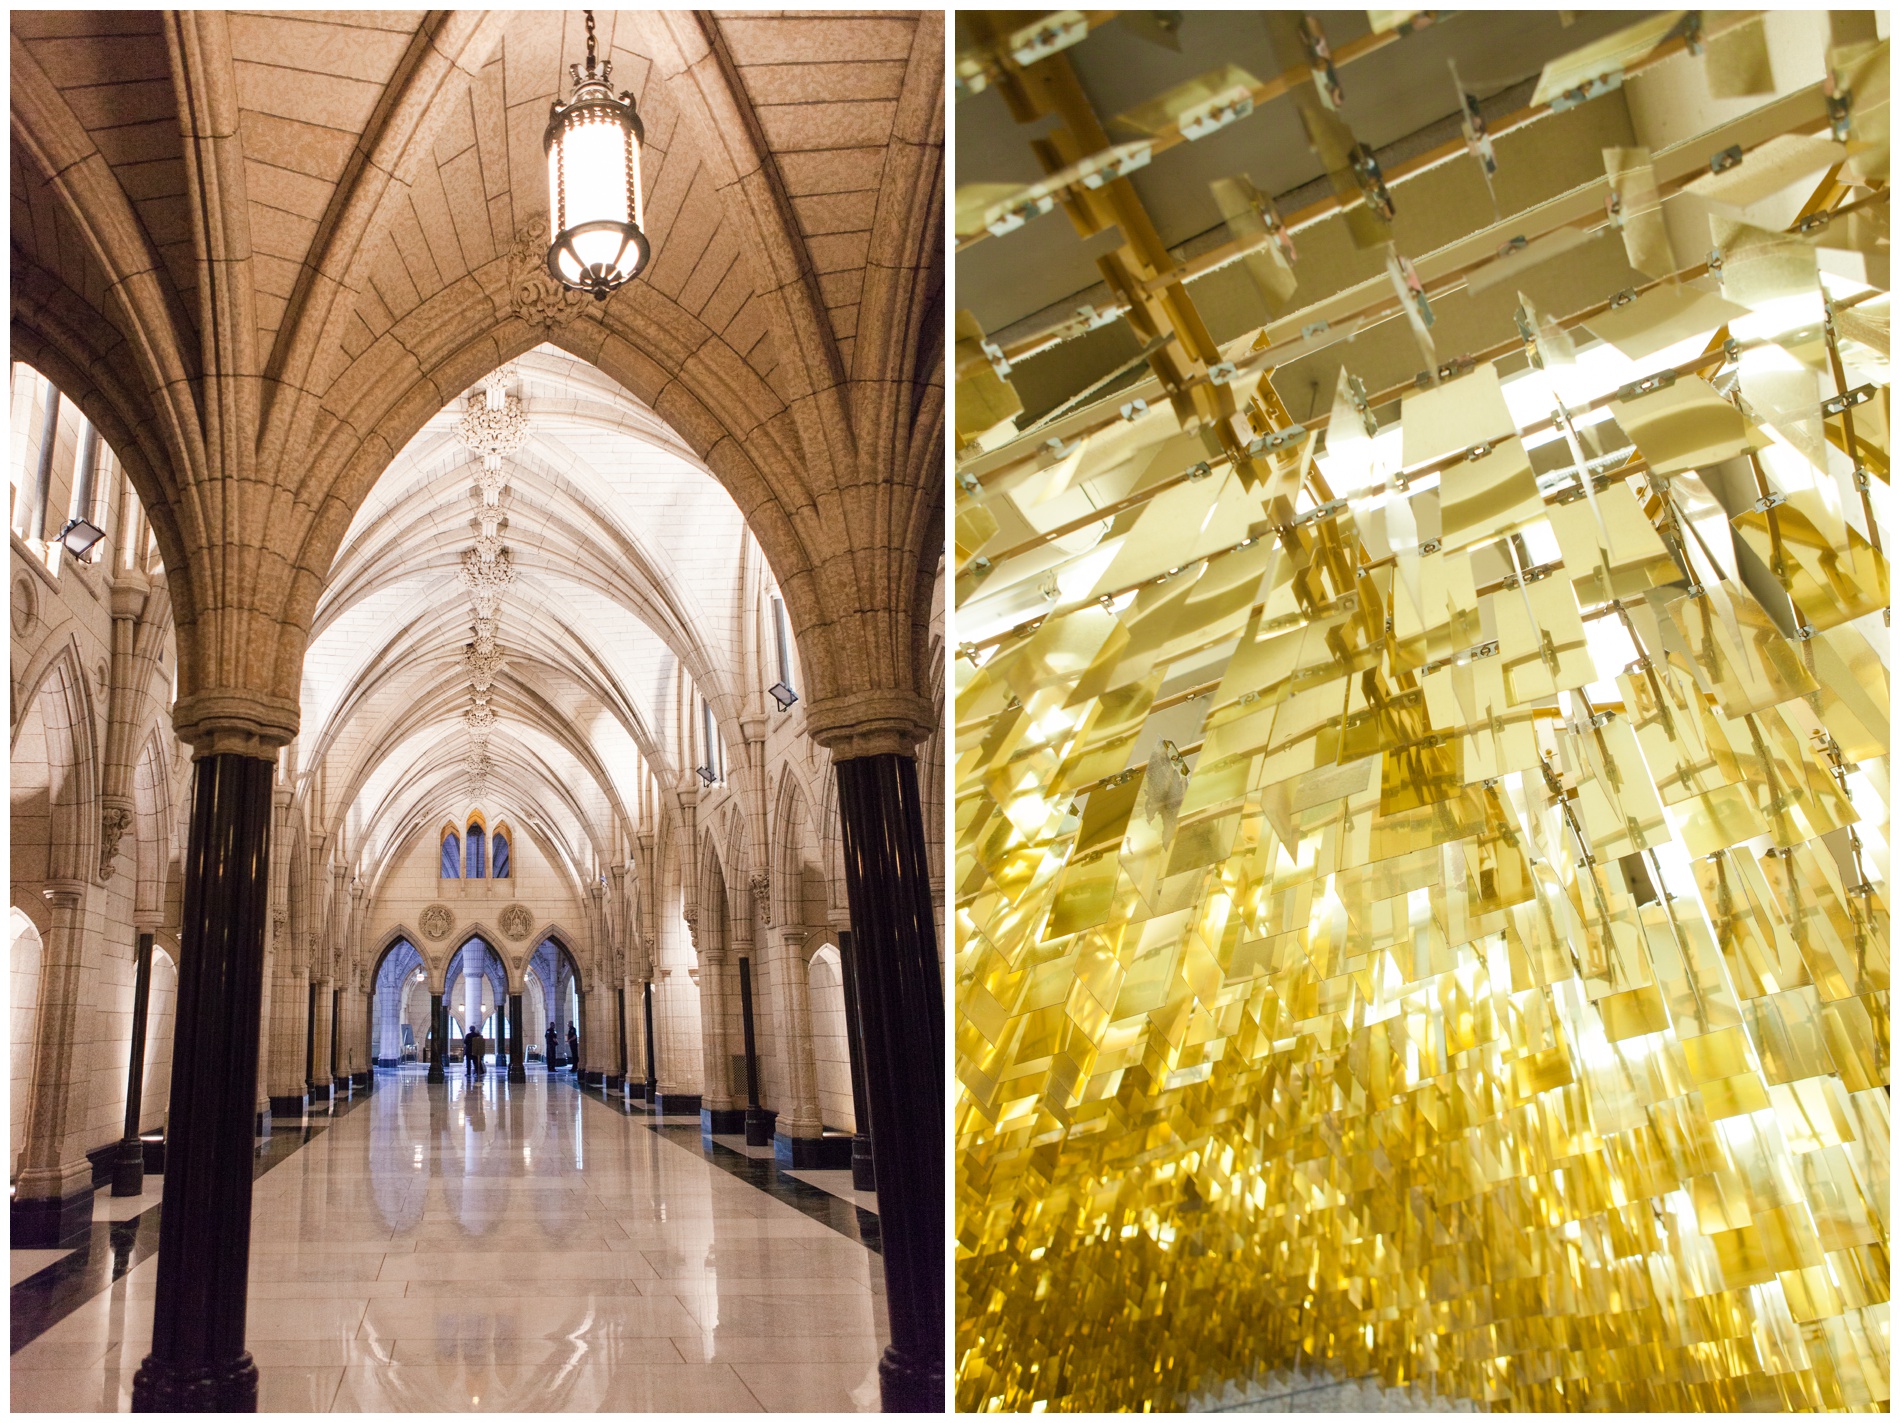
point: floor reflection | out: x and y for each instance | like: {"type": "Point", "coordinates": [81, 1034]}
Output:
{"type": "Point", "coordinates": [502, 1246]}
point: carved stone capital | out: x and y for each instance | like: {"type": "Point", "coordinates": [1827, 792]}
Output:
{"type": "Point", "coordinates": [760, 883]}
{"type": "Point", "coordinates": [235, 723]}
{"type": "Point", "coordinates": [875, 723]}
{"type": "Point", "coordinates": [114, 821]}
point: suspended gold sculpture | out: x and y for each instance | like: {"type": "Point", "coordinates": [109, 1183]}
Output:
{"type": "Point", "coordinates": [1422, 917]}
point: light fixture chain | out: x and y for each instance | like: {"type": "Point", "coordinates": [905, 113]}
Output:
{"type": "Point", "coordinates": [590, 40]}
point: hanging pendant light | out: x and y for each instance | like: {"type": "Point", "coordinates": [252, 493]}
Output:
{"type": "Point", "coordinates": [594, 210]}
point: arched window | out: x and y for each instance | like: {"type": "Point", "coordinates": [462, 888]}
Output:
{"type": "Point", "coordinates": [476, 858]}
{"type": "Point", "coordinates": [500, 855]}
{"type": "Point", "coordinates": [451, 854]}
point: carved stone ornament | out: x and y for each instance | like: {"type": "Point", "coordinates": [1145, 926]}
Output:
{"type": "Point", "coordinates": [437, 921]}
{"type": "Point", "coordinates": [516, 921]}
{"type": "Point", "coordinates": [760, 883]}
{"type": "Point", "coordinates": [486, 579]}
{"type": "Point", "coordinates": [114, 821]}
{"type": "Point", "coordinates": [494, 425]}
{"type": "Point", "coordinates": [538, 299]}
{"type": "Point", "coordinates": [481, 664]}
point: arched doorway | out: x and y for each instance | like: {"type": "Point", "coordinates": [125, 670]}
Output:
{"type": "Point", "coordinates": [558, 978]}
{"type": "Point", "coordinates": [459, 1001]}
{"type": "Point", "coordinates": [399, 1014]}
{"type": "Point", "coordinates": [24, 986]}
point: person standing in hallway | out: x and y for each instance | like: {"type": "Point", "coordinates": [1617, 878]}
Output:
{"type": "Point", "coordinates": [574, 1049]}
{"type": "Point", "coordinates": [550, 1053]}
{"type": "Point", "coordinates": [471, 1052]}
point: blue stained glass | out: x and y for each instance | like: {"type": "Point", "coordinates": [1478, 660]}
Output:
{"type": "Point", "coordinates": [501, 856]}
{"type": "Point", "coordinates": [477, 860]}
{"type": "Point", "coordinates": [451, 856]}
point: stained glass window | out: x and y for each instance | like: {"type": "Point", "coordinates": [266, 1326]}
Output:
{"type": "Point", "coordinates": [476, 859]}
{"type": "Point", "coordinates": [501, 855]}
{"type": "Point", "coordinates": [451, 855]}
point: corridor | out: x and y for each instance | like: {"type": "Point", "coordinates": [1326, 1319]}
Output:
{"type": "Point", "coordinates": [513, 1247]}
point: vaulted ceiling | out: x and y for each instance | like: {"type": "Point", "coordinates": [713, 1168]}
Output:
{"type": "Point", "coordinates": [632, 569]}
{"type": "Point", "coordinates": [340, 215]}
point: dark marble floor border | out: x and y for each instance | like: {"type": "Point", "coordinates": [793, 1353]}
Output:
{"type": "Point", "coordinates": [115, 1247]}
{"type": "Point", "coordinates": [851, 1221]}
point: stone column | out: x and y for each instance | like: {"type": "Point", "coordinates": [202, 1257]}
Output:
{"type": "Point", "coordinates": [286, 1079]}
{"type": "Point", "coordinates": [322, 1086]}
{"type": "Point", "coordinates": [474, 978]}
{"type": "Point", "coordinates": [797, 1140]}
{"type": "Point", "coordinates": [595, 1044]}
{"type": "Point", "coordinates": [198, 1362]}
{"type": "Point", "coordinates": [716, 1112]}
{"type": "Point", "coordinates": [128, 1165]}
{"type": "Point", "coordinates": [900, 1010]}
{"type": "Point", "coordinates": [356, 1021]}
{"type": "Point", "coordinates": [52, 1199]}
{"type": "Point", "coordinates": [618, 932]}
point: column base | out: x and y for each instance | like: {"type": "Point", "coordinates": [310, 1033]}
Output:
{"type": "Point", "coordinates": [588, 1077]}
{"type": "Point", "coordinates": [154, 1146]}
{"type": "Point", "coordinates": [322, 1096]}
{"type": "Point", "coordinates": [759, 1122]}
{"type": "Point", "coordinates": [517, 1072]}
{"type": "Point", "coordinates": [725, 1121]}
{"type": "Point", "coordinates": [676, 1104]}
{"type": "Point", "coordinates": [287, 1106]}
{"type": "Point", "coordinates": [435, 1072]}
{"type": "Point", "coordinates": [260, 1126]}
{"type": "Point", "coordinates": [229, 1387]}
{"type": "Point", "coordinates": [53, 1222]}
{"type": "Point", "coordinates": [812, 1153]}
{"type": "Point", "coordinates": [863, 1172]}
{"type": "Point", "coordinates": [362, 1081]}
{"type": "Point", "coordinates": [615, 1081]}
{"type": "Point", "coordinates": [128, 1167]}
{"type": "Point", "coordinates": [909, 1384]}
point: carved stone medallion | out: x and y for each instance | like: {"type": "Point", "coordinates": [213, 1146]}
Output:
{"type": "Point", "coordinates": [516, 921]}
{"type": "Point", "coordinates": [437, 921]}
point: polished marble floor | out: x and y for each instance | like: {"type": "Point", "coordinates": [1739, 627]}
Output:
{"type": "Point", "coordinates": [516, 1248]}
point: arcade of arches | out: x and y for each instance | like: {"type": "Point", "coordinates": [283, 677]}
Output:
{"type": "Point", "coordinates": [464, 658]}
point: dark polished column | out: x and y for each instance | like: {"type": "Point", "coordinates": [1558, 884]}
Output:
{"type": "Point", "coordinates": [517, 1050]}
{"type": "Point", "coordinates": [310, 1048]}
{"type": "Point", "coordinates": [128, 1167]}
{"type": "Point", "coordinates": [653, 1076]}
{"type": "Point", "coordinates": [619, 1078]}
{"type": "Point", "coordinates": [198, 1361]}
{"type": "Point", "coordinates": [900, 1009]}
{"type": "Point", "coordinates": [863, 1174]}
{"type": "Point", "coordinates": [439, 1031]}
{"type": "Point", "coordinates": [758, 1122]}
{"type": "Point", "coordinates": [368, 1078]}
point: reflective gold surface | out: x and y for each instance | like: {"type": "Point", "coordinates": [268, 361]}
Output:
{"type": "Point", "coordinates": [1442, 934]}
